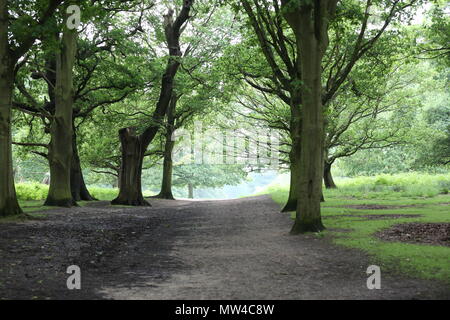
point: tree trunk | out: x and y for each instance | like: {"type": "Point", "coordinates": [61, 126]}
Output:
{"type": "Point", "coordinates": [308, 216]}
{"type": "Point", "coordinates": [8, 199]}
{"type": "Point", "coordinates": [131, 170]}
{"type": "Point", "coordinates": [166, 186]}
{"type": "Point", "coordinates": [77, 185]}
{"type": "Point", "coordinates": [60, 147]}
{"type": "Point", "coordinates": [134, 147]}
{"type": "Point", "coordinates": [190, 191]}
{"type": "Point", "coordinates": [309, 21]}
{"type": "Point", "coordinates": [8, 60]}
{"type": "Point", "coordinates": [327, 177]}
{"type": "Point", "coordinates": [294, 158]}
{"type": "Point", "coordinates": [294, 154]}
{"type": "Point", "coordinates": [119, 177]}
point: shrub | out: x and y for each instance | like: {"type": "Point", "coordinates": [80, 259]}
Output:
{"type": "Point", "coordinates": [444, 186]}
{"type": "Point", "coordinates": [411, 184]}
{"type": "Point", "coordinates": [103, 193]}
{"type": "Point", "coordinates": [36, 191]}
{"type": "Point", "coordinates": [31, 191]}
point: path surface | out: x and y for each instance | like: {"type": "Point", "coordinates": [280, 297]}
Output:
{"type": "Point", "coordinates": [229, 249]}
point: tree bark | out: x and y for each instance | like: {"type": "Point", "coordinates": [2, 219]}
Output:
{"type": "Point", "coordinates": [134, 146]}
{"type": "Point", "coordinates": [166, 186]}
{"type": "Point", "coordinates": [294, 154]}
{"type": "Point", "coordinates": [294, 158]}
{"type": "Point", "coordinates": [60, 147]}
{"type": "Point", "coordinates": [131, 170]}
{"type": "Point", "coordinates": [327, 177]}
{"type": "Point", "coordinates": [309, 22]}
{"type": "Point", "coordinates": [8, 198]}
{"type": "Point", "coordinates": [8, 60]}
{"type": "Point", "coordinates": [190, 191]}
{"type": "Point", "coordinates": [77, 185]}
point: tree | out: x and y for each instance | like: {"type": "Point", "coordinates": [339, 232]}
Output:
{"type": "Point", "coordinates": [195, 176]}
{"type": "Point", "coordinates": [284, 79]}
{"type": "Point", "coordinates": [196, 95]}
{"type": "Point", "coordinates": [375, 108]}
{"type": "Point", "coordinates": [134, 146]}
{"type": "Point", "coordinates": [100, 79]}
{"type": "Point", "coordinates": [435, 34]}
{"type": "Point", "coordinates": [351, 24]}
{"type": "Point", "coordinates": [11, 50]}
{"type": "Point", "coordinates": [166, 183]}
{"type": "Point", "coordinates": [60, 147]}
{"type": "Point", "coordinates": [414, 96]}
{"type": "Point", "coordinates": [310, 23]}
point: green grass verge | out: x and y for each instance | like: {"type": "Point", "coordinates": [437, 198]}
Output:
{"type": "Point", "coordinates": [424, 261]}
{"type": "Point", "coordinates": [32, 209]}
{"type": "Point", "coordinates": [31, 198]}
{"type": "Point", "coordinates": [35, 191]}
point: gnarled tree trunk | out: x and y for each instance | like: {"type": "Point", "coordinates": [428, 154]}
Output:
{"type": "Point", "coordinates": [134, 147]}
{"type": "Point", "coordinates": [327, 177]}
{"type": "Point", "coordinates": [131, 169]}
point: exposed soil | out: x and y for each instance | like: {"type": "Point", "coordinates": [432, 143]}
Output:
{"type": "Point", "coordinates": [437, 234]}
{"type": "Point", "coordinates": [231, 249]}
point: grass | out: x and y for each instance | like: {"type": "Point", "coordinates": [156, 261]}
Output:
{"type": "Point", "coordinates": [30, 191]}
{"type": "Point", "coordinates": [36, 191]}
{"type": "Point", "coordinates": [432, 203]}
{"type": "Point", "coordinates": [32, 195]}
{"type": "Point", "coordinates": [404, 185]}
{"type": "Point", "coordinates": [32, 209]}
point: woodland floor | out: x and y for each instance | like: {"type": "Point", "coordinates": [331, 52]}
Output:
{"type": "Point", "coordinates": [228, 249]}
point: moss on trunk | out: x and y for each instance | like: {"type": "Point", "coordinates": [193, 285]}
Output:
{"type": "Point", "coordinates": [8, 198]}
{"type": "Point", "coordinates": [131, 170]}
{"type": "Point", "coordinates": [60, 147]}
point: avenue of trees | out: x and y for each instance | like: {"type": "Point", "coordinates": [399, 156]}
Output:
{"type": "Point", "coordinates": [97, 90]}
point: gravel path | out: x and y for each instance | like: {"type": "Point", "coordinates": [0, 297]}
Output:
{"type": "Point", "coordinates": [228, 249]}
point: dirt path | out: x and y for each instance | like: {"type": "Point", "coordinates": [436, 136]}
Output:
{"type": "Point", "coordinates": [230, 249]}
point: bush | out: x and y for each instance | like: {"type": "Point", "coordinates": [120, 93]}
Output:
{"type": "Point", "coordinates": [107, 194]}
{"type": "Point", "coordinates": [411, 184]}
{"type": "Point", "coordinates": [31, 191]}
{"type": "Point", "coordinates": [37, 191]}
{"type": "Point", "coordinates": [381, 181]}
{"type": "Point", "coordinates": [103, 193]}
{"type": "Point", "coordinates": [444, 186]}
